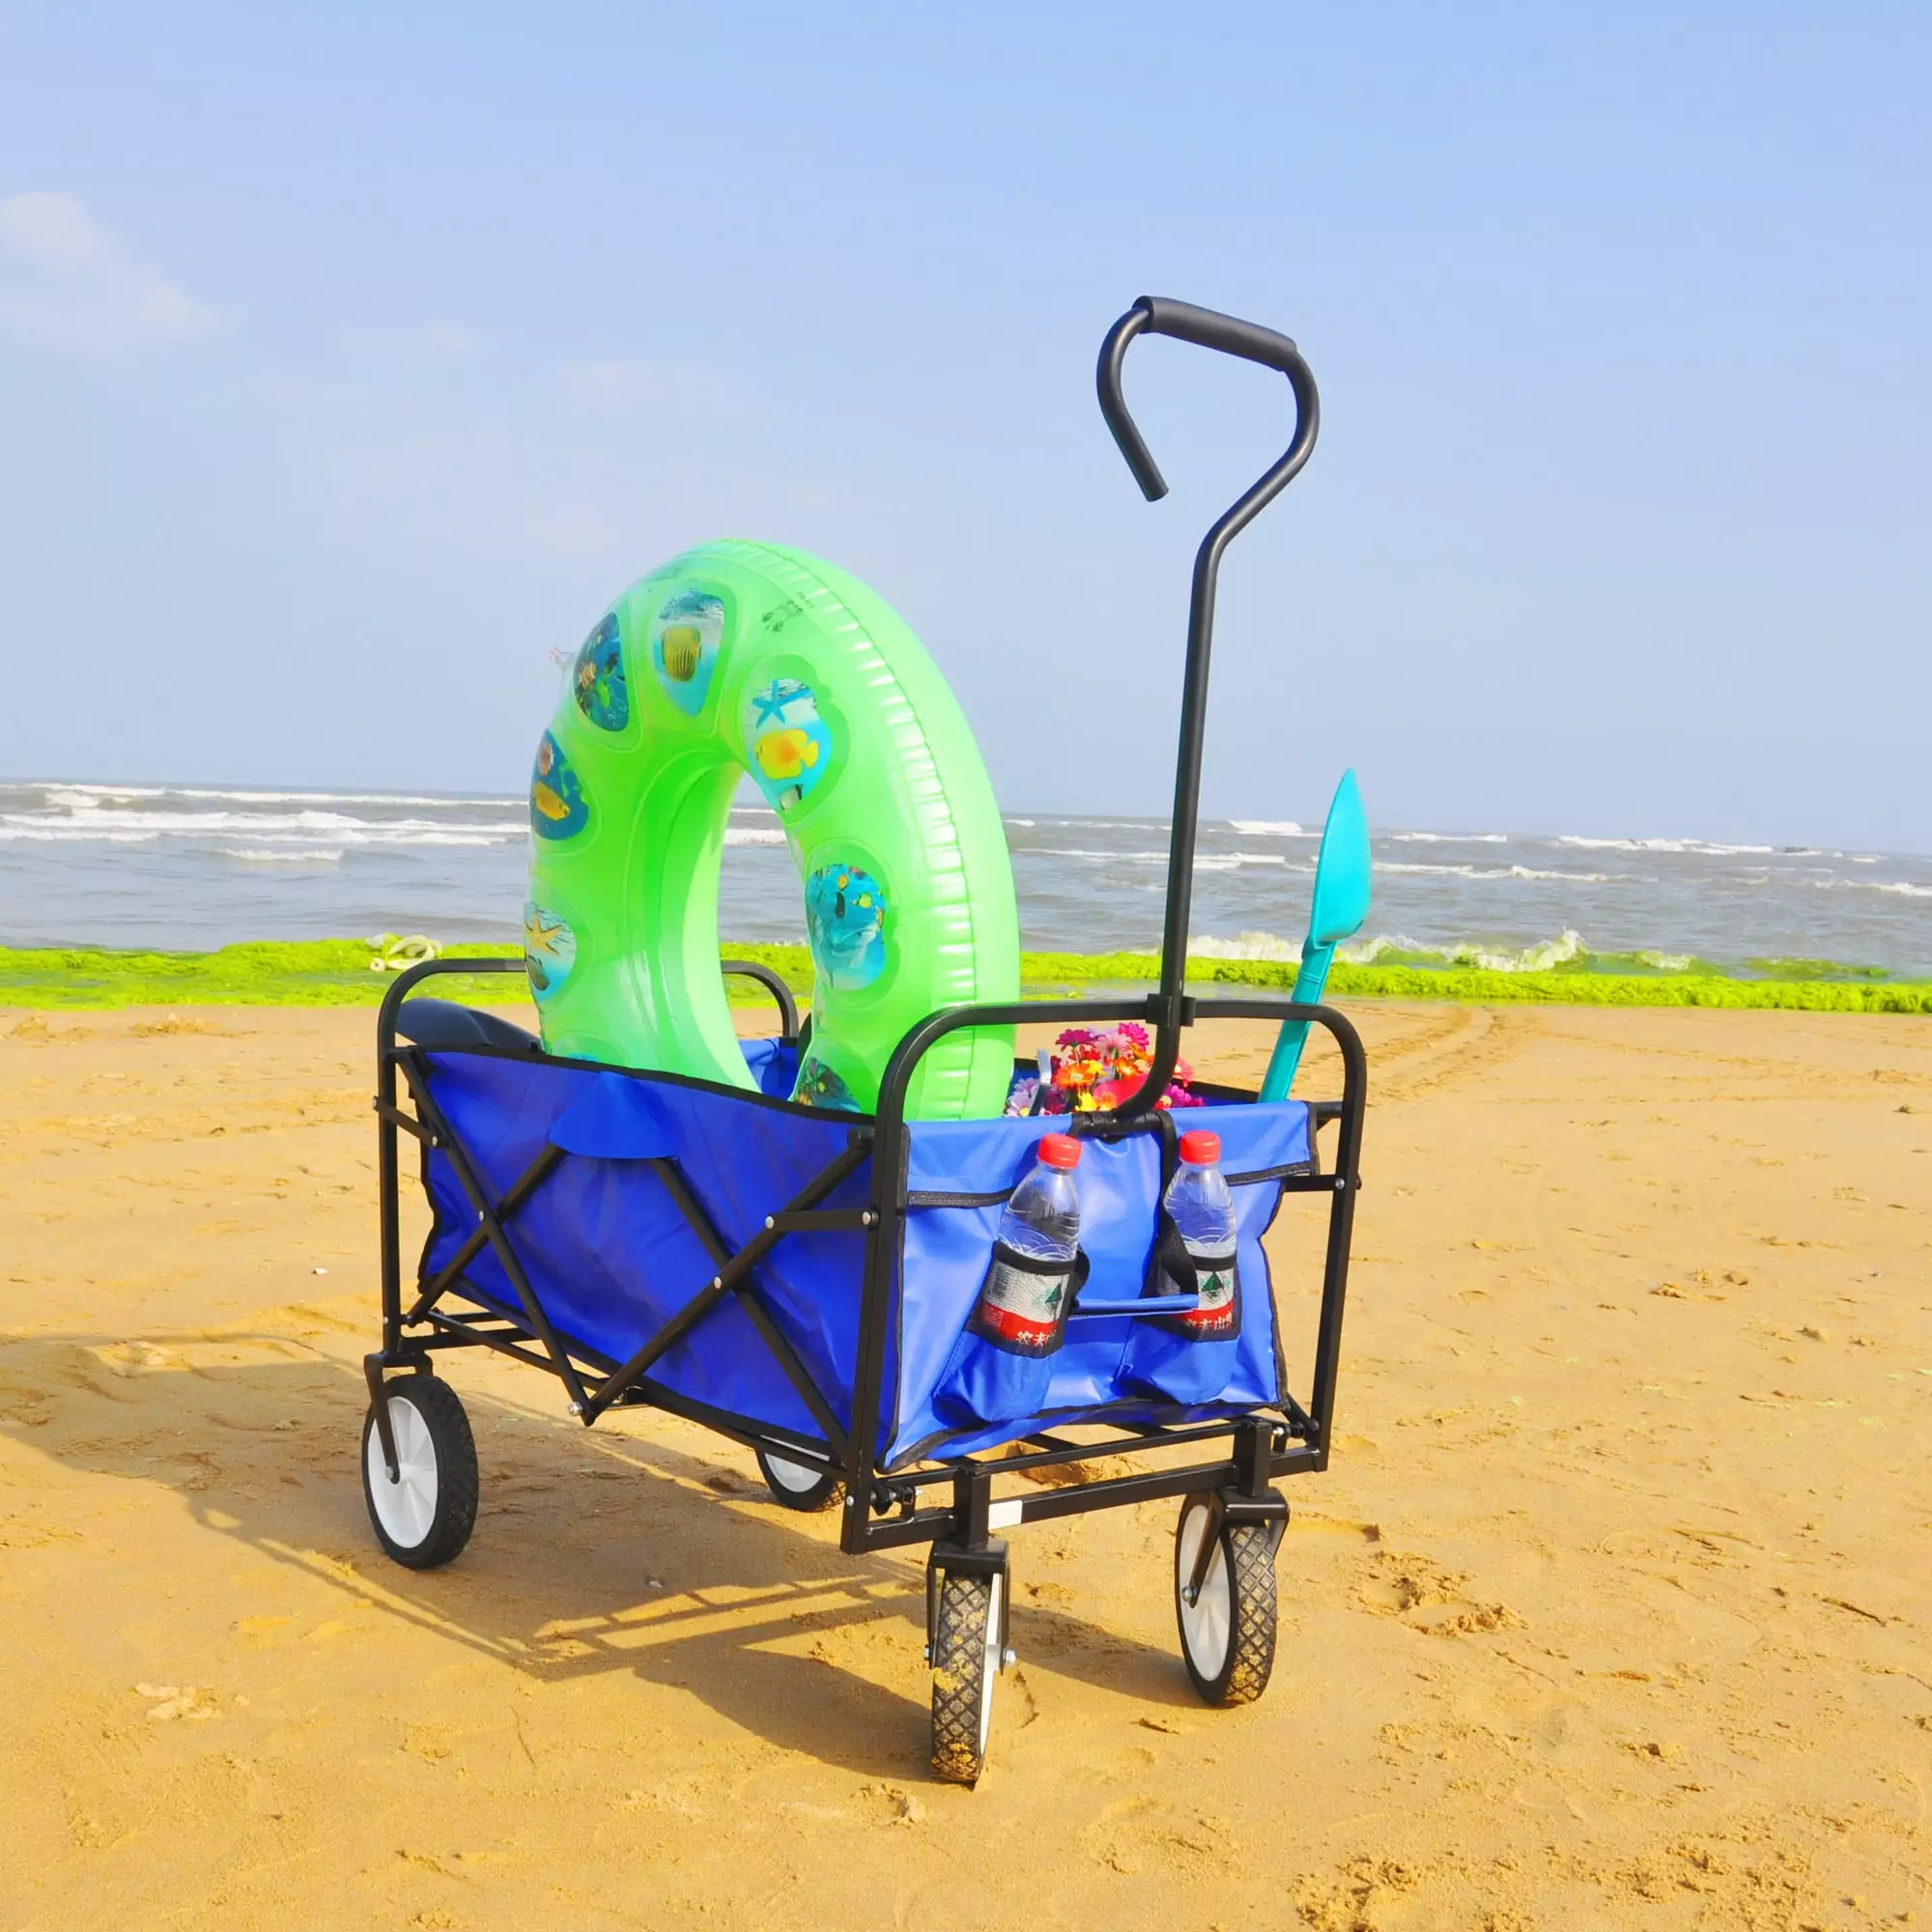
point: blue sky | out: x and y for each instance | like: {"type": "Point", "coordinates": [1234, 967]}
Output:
{"type": "Point", "coordinates": [351, 358]}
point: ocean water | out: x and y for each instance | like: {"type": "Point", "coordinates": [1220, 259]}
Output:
{"type": "Point", "coordinates": [196, 867]}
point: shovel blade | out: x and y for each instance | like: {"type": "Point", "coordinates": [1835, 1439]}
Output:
{"type": "Point", "coordinates": [1342, 872]}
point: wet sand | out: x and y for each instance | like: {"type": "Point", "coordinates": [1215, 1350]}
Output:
{"type": "Point", "coordinates": [1613, 1609]}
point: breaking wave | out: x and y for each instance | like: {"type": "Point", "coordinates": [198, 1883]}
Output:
{"type": "Point", "coordinates": [247, 856]}
{"type": "Point", "coordinates": [1398, 949]}
{"type": "Point", "coordinates": [1539, 957]}
{"type": "Point", "coordinates": [1509, 872]}
{"type": "Point", "coordinates": [1701, 847]}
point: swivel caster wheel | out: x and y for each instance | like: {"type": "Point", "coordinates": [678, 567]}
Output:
{"type": "Point", "coordinates": [1227, 1618]}
{"type": "Point", "coordinates": [968, 1652]}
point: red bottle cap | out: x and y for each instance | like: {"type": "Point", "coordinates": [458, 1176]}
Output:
{"type": "Point", "coordinates": [1200, 1146]}
{"type": "Point", "coordinates": [1060, 1150]}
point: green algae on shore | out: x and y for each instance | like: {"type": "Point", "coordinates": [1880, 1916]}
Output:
{"type": "Point", "coordinates": [338, 973]}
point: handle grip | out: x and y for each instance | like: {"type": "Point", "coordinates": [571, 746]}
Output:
{"type": "Point", "coordinates": [1206, 329]}
{"type": "Point", "coordinates": [1209, 328]}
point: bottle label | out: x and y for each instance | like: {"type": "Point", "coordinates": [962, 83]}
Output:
{"type": "Point", "coordinates": [1022, 1305]}
{"type": "Point", "coordinates": [1219, 1314]}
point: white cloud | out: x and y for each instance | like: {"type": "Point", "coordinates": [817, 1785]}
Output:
{"type": "Point", "coordinates": [51, 228]}
{"type": "Point", "coordinates": [67, 283]}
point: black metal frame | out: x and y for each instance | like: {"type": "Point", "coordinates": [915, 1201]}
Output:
{"type": "Point", "coordinates": [883, 1509]}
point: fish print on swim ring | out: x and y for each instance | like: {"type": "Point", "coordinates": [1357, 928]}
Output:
{"type": "Point", "coordinates": [686, 636]}
{"type": "Point", "coordinates": [789, 744]}
{"type": "Point", "coordinates": [550, 950]}
{"type": "Point", "coordinates": [846, 921]}
{"type": "Point", "coordinates": [597, 677]}
{"type": "Point", "coordinates": [819, 1087]}
{"type": "Point", "coordinates": [559, 809]}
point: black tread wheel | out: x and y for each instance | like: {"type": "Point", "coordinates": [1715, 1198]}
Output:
{"type": "Point", "coordinates": [799, 1485]}
{"type": "Point", "coordinates": [424, 1517]}
{"type": "Point", "coordinates": [1227, 1632]}
{"type": "Point", "coordinates": [965, 1661]}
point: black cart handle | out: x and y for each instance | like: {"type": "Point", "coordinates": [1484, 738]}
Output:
{"type": "Point", "coordinates": [1230, 335]}
{"type": "Point", "coordinates": [1252, 343]}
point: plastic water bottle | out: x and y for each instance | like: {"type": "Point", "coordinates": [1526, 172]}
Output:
{"type": "Point", "coordinates": [1203, 1208]}
{"type": "Point", "coordinates": [1024, 1306]}
{"type": "Point", "coordinates": [1042, 1218]}
{"type": "Point", "coordinates": [1001, 1369]}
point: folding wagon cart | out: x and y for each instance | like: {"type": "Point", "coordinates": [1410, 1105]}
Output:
{"type": "Point", "coordinates": [797, 1278]}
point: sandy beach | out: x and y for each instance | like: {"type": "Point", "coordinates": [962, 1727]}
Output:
{"type": "Point", "coordinates": [1612, 1610]}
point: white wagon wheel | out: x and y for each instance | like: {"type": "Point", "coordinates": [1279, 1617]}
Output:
{"type": "Point", "coordinates": [799, 1485]}
{"type": "Point", "coordinates": [1227, 1621]}
{"type": "Point", "coordinates": [424, 1516]}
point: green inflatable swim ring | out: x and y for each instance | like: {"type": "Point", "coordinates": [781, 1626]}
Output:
{"type": "Point", "coordinates": [741, 659]}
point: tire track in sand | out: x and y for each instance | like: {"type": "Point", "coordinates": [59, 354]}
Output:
{"type": "Point", "coordinates": [1464, 1040]}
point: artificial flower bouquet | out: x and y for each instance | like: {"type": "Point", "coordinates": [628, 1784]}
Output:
{"type": "Point", "coordinates": [1089, 1071]}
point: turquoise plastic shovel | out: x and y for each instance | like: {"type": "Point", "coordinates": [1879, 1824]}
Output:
{"type": "Point", "coordinates": [1342, 876]}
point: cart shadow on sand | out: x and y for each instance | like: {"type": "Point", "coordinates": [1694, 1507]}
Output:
{"type": "Point", "coordinates": [768, 1625]}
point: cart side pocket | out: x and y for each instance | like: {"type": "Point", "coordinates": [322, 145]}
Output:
{"type": "Point", "coordinates": [1003, 1361]}
{"type": "Point", "coordinates": [1186, 1357]}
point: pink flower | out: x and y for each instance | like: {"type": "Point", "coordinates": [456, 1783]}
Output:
{"type": "Point", "coordinates": [1102, 1070]}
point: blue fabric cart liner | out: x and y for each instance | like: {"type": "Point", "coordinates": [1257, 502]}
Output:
{"type": "Point", "coordinates": [612, 1257]}
{"type": "Point", "coordinates": [606, 1247]}
{"type": "Point", "coordinates": [947, 1249]}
